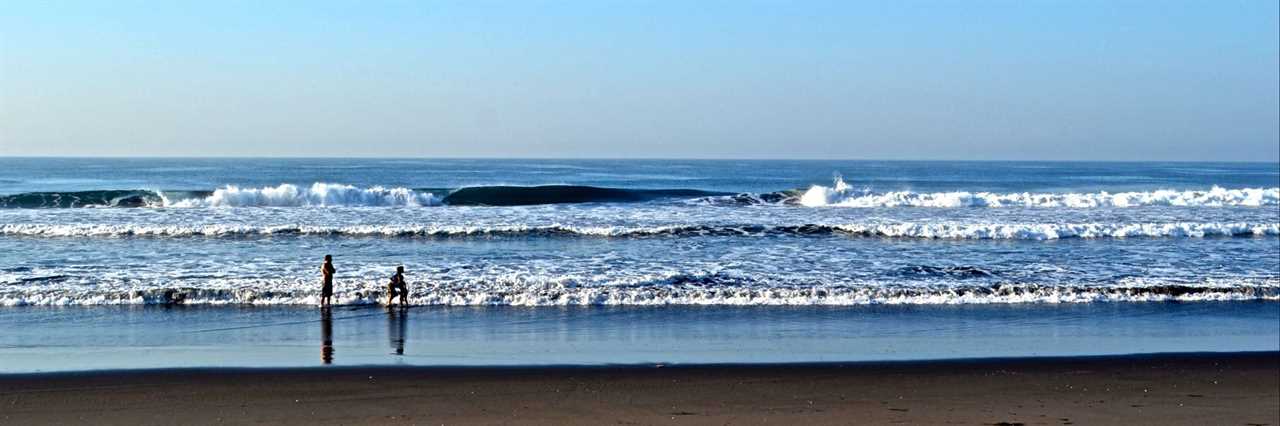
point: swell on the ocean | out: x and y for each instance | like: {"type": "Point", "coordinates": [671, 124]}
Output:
{"type": "Point", "coordinates": [840, 194]}
{"type": "Point", "coordinates": [108, 198]}
{"type": "Point", "coordinates": [339, 195]}
{"type": "Point", "coordinates": [560, 194]}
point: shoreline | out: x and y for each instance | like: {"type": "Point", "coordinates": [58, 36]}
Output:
{"type": "Point", "coordinates": [516, 369]}
{"type": "Point", "coordinates": [1171, 388]}
{"type": "Point", "coordinates": [130, 338]}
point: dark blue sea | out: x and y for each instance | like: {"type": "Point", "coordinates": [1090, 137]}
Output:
{"type": "Point", "coordinates": [151, 262]}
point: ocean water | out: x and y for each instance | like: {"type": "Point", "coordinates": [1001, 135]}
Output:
{"type": "Point", "coordinates": [42, 338]}
{"type": "Point", "coordinates": [582, 232]}
{"type": "Point", "coordinates": [657, 235]}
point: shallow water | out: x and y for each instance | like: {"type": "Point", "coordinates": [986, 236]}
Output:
{"type": "Point", "coordinates": [124, 337]}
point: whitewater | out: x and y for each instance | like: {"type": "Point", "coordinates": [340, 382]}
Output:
{"type": "Point", "coordinates": [653, 290]}
{"type": "Point", "coordinates": [998, 231]}
{"type": "Point", "coordinates": [637, 233]}
{"type": "Point", "coordinates": [840, 194]}
{"type": "Point", "coordinates": [317, 195]}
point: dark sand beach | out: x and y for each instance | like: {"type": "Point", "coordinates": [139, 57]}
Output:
{"type": "Point", "coordinates": [1225, 389]}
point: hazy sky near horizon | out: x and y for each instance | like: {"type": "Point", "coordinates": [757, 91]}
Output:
{"type": "Point", "coordinates": [975, 80]}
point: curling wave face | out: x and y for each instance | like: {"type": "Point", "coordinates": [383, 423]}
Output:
{"type": "Point", "coordinates": [109, 198]}
{"type": "Point", "coordinates": [317, 195]}
{"type": "Point", "coordinates": [840, 194]}
{"type": "Point", "coordinates": [340, 195]}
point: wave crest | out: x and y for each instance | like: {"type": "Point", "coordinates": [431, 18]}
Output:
{"type": "Point", "coordinates": [317, 195]}
{"type": "Point", "coordinates": [339, 195]}
{"type": "Point", "coordinates": [62, 200]}
{"type": "Point", "coordinates": [840, 194]}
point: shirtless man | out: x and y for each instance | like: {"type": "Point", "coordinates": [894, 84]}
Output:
{"type": "Point", "coordinates": [326, 289]}
{"type": "Point", "coordinates": [398, 286]}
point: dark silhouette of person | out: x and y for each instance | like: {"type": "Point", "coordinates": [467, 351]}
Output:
{"type": "Point", "coordinates": [326, 336]}
{"type": "Point", "coordinates": [398, 286]}
{"type": "Point", "coordinates": [326, 287]}
{"type": "Point", "coordinates": [396, 324]}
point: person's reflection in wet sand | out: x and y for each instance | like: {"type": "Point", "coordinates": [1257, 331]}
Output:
{"type": "Point", "coordinates": [397, 320]}
{"type": "Point", "coordinates": [326, 335]}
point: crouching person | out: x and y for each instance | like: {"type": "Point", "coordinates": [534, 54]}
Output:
{"type": "Point", "coordinates": [397, 286]}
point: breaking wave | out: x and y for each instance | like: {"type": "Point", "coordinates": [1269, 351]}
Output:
{"type": "Point", "coordinates": [670, 289]}
{"type": "Point", "coordinates": [957, 231]}
{"type": "Point", "coordinates": [317, 195]}
{"type": "Point", "coordinates": [54, 200]}
{"type": "Point", "coordinates": [840, 194]}
{"type": "Point", "coordinates": [338, 195]}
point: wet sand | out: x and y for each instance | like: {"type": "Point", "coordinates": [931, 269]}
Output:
{"type": "Point", "coordinates": [1226, 389]}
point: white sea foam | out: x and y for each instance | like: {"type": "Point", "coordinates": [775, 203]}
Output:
{"type": "Point", "coordinates": [929, 230]}
{"type": "Point", "coordinates": [317, 195]}
{"type": "Point", "coordinates": [1053, 231]}
{"type": "Point", "coordinates": [840, 194]}
{"type": "Point", "coordinates": [233, 230]}
{"type": "Point", "coordinates": [655, 290]}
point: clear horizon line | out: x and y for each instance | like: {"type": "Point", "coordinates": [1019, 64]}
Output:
{"type": "Point", "coordinates": [552, 158]}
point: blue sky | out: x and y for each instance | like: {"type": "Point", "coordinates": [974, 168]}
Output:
{"type": "Point", "coordinates": [980, 80]}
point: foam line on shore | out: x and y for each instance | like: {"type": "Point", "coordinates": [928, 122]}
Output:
{"type": "Point", "coordinates": [657, 290]}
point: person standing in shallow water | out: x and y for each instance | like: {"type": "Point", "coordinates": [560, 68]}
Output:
{"type": "Point", "coordinates": [326, 288]}
{"type": "Point", "coordinates": [398, 286]}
